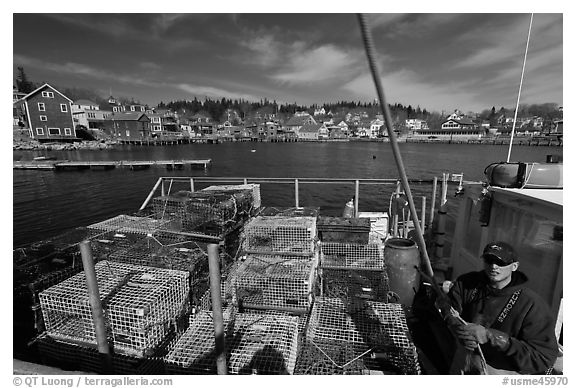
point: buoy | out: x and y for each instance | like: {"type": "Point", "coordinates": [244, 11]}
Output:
{"type": "Point", "coordinates": [253, 151]}
{"type": "Point", "coordinates": [349, 209]}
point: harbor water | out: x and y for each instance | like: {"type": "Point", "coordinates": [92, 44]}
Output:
{"type": "Point", "coordinates": [46, 203]}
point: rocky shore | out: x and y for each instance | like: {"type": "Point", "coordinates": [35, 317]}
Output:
{"type": "Point", "coordinates": [32, 145]}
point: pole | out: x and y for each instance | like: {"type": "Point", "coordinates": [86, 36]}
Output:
{"type": "Point", "coordinates": [151, 193]}
{"type": "Point", "coordinates": [395, 216]}
{"type": "Point", "coordinates": [296, 198]}
{"type": "Point", "coordinates": [519, 89]}
{"type": "Point", "coordinates": [367, 36]}
{"type": "Point", "coordinates": [192, 184]}
{"type": "Point", "coordinates": [356, 195]}
{"type": "Point", "coordinates": [423, 226]}
{"type": "Point", "coordinates": [96, 306]}
{"type": "Point", "coordinates": [216, 293]}
{"type": "Point", "coordinates": [433, 204]}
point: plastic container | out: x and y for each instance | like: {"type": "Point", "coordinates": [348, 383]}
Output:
{"type": "Point", "coordinates": [402, 257]}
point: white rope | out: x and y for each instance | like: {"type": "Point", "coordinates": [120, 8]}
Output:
{"type": "Point", "coordinates": [519, 90]}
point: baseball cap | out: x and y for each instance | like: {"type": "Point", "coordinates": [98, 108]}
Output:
{"type": "Point", "coordinates": [500, 253]}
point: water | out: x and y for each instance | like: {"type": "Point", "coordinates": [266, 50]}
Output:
{"type": "Point", "coordinates": [46, 203]}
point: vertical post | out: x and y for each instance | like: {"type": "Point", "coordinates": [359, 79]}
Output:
{"type": "Point", "coordinates": [245, 181]}
{"type": "Point", "coordinates": [356, 197]}
{"type": "Point", "coordinates": [96, 306]}
{"type": "Point", "coordinates": [395, 216]}
{"type": "Point", "coordinates": [296, 195]}
{"type": "Point", "coordinates": [433, 204]}
{"type": "Point", "coordinates": [216, 293]}
{"type": "Point", "coordinates": [192, 184]}
{"type": "Point", "coordinates": [162, 191]}
{"type": "Point", "coordinates": [423, 220]}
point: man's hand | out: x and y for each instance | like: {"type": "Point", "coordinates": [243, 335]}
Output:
{"type": "Point", "coordinates": [470, 335]}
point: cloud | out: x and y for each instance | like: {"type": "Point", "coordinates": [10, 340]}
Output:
{"type": "Point", "coordinates": [151, 66]}
{"type": "Point", "coordinates": [404, 86]}
{"type": "Point", "coordinates": [317, 65]}
{"type": "Point", "coordinates": [78, 69]}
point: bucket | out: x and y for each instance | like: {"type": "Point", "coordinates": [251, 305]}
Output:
{"type": "Point", "coordinates": [402, 256]}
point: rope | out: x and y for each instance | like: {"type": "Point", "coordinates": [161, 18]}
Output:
{"type": "Point", "coordinates": [519, 90]}
{"type": "Point", "coordinates": [370, 53]}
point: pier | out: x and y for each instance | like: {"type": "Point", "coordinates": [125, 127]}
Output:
{"type": "Point", "coordinates": [67, 165]}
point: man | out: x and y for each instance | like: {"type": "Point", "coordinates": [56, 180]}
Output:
{"type": "Point", "coordinates": [511, 324]}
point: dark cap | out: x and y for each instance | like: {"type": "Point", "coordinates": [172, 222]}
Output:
{"type": "Point", "coordinates": [502, 251]}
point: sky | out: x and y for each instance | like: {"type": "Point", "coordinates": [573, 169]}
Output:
{"type": "Point", "coordinates": [438, 61]}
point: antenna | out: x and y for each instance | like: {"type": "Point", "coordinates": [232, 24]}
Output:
{"type": "Point", "coordinates": [519, 90]}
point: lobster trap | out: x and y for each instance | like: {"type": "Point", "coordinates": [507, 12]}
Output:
{"type": "Point", "coordinates": [212, 212]}
{"type": "Point", "coordinates": [275, 282]}
{"type": "Point", "coordinates": [104, 244]}
{"type": "Point", "coordinates": [365, 327]}
{"type": "Point", "coordinates": [75, 357]}
{"type": "Point", "coordinates": [253, 187]}
{"type": "Point", "coordinates": [140, 304]}
{"type": "Point", "coordinates": [348, 255]}
{"type": "Point", "coordinates": [351, 284]}
{"type": "Point", "coordinates": [280, 235]}
{"type": "Point", "coordinates": [130, 225]}
{"type": "Point", "coordinates": [255, 344]}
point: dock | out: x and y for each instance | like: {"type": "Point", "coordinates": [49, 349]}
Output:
{"type": "Point", "coordinates": [67, 165]}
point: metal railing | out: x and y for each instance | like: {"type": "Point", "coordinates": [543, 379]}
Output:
{"type": "Point", "coordinates": [295, 182]}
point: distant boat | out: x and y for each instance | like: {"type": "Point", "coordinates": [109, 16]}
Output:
{"type": "Point", "coordinates": [252, 150]}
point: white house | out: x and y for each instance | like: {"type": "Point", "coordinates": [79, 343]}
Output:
{"type": "Point", "coordinates": [375, 126]}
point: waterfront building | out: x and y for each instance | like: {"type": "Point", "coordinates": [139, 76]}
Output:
{"type": "Point", "coordinates": [313, 132]}
{"type": "Point", "coordinates": [87, 113]}
{"type": "Point", "coordinates": [375, 128]}
{"type": "Point", "coordinates": [129, 126]}
{"type": "Point", "coordinates": [295, 123]}
{"type": "Point", "coordinates": [48, 115]}
{"type": "Point", "coordinates": [415, 124]}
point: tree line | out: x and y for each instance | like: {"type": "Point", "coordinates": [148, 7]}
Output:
{"type": "Point", "coordinates": [242, 110]}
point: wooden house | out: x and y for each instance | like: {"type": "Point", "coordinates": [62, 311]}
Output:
{"type": "Point", "coordinates": [48, 114]}
{"type": "Point", "coordinates": [129, 126]}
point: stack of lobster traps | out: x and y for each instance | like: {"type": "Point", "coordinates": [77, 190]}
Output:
{"type": "Point", "coordinates": [142, 306]}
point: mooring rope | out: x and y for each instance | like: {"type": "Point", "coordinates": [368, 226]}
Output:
{"type": "Point", "coordinates": [370, 53]}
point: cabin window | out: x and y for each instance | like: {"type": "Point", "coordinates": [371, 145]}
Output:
{"type": "Point", "coordinates": [48, 94]}
{"type": "Point", "coordinates": [54, 131]}
{"type": "Point", "coordinates": [63, 108]}
{"type": "Point", "coordinates": [132, 108]}
{"type": "Point", "coordinates": [127, 133]}
{"type": "Point", "coordinates": [40, 131]}
{"type": "Point", "coordinates": [43, 118]}
{"type": "Point", "coordinates": [41, 107]}
{"type": "Point", "coordinates": [67, 131]}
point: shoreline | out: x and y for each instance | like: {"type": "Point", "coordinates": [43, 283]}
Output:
{"type": "Point", "coordinates": [107, 145]}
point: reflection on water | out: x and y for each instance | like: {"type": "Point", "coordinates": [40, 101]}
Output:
{"type": "Point", "coordinates": [46, 203]}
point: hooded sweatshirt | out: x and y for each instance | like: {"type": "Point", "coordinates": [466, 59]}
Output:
{"type": "Point", "coordinates": [532, 347]}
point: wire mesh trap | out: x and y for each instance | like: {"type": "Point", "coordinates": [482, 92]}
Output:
{"type": "Point", "coordinates": [129, 224]}
{"type": "Point", "coordinates": [280, 235]}
{"type": "Point", "coordinates": [367, 256]}
{"type": "Point", "coordinates": [254, 187]}
{"type": "Point", "coordinates": [255, 344]}
{"type": "Point", "coordinates": [369, 327]}
{"type": "Point", "coordinates": [336, 359]}
{"type": "Point", "coordinates": [290, 211]}
{"type": "Point", "coordinates": [213, 212]}
{"type": "Point", "coordinates": [140, 305]}
{"type": "Point", "coordinates": [75, 357]}
{"type": "Point", "coordinates": [275, 281]}
{"type": "Point", "coordinates": [351, 284]}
